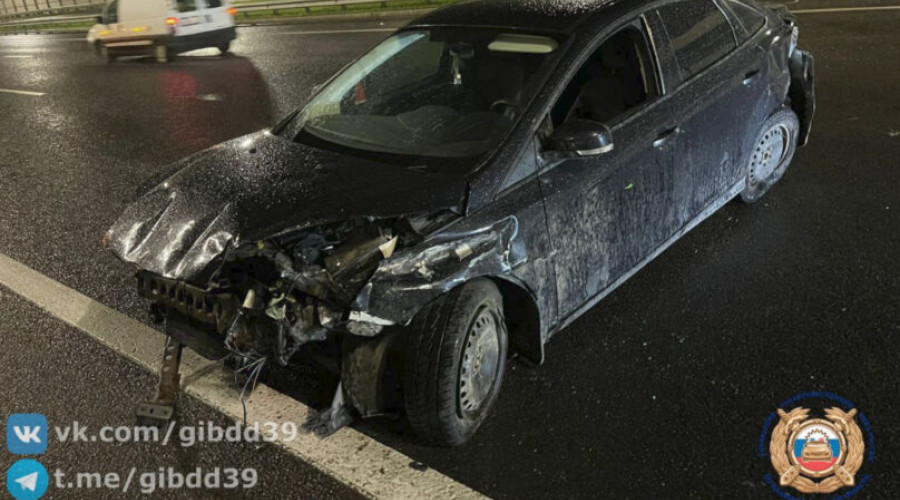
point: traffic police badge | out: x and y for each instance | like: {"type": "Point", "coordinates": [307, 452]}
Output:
{"type": "Point", "coordinates": [817, 455]}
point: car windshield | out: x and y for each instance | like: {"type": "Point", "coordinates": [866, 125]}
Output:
{"type": "Point", "coordinates": [429, 94]}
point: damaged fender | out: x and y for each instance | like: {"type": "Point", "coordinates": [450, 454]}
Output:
{"type": "Point", "coordinates": [404, 283]}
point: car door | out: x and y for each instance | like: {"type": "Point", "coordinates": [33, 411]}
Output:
{"type": "Point", "coordinates": [608, 212]}
{"type": "Point", "coordinates": [216, 15]}
{"type": "Point", "coordinates": [112, 21]}
{"type": "Point", "coordinates": [755, 73]}
{"type": "Point", "coordinates": [191, 17]}
{"type": "Point", "coordinates": [722, 86]}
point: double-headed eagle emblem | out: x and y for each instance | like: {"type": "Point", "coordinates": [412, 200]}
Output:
{"type": "Point", "coordinates": [804, 450]}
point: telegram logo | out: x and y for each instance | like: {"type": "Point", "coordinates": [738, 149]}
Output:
{"type": "Point", "coordinates": [27, 480]}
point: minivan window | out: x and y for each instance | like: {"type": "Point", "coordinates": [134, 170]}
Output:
{"type": "Point", "coordinates": [749, 17]}
{"type": "Point", "coordinates": [699, 32]}
{"type": "Point", "coordinates": [111, 12]}
{"type": "Point", "coordinates": [186, 5]}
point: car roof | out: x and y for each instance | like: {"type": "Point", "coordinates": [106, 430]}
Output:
{"type": "Point", "coordinates": [539, 15]}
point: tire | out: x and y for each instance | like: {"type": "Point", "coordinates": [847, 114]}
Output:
{"type": "Point", "coordinates": [454, 363]}
{"type": "Point", "coordinates": [104, 52]}
{"type": "Point", "coordinates": [771, 154]}
{"type": "Point", "coordinates": [224, 48]}
{"type": "Point", "coordinates": [161, 53]}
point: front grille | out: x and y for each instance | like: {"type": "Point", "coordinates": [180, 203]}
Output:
{"type": "Point", "coordinates": [216, 309]}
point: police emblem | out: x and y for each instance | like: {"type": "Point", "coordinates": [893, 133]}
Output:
{"type": "Point", "coordinates": [817, 455]}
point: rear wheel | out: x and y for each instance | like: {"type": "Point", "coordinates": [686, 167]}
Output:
{"type": "Point", "coordinates": [772, 154]}
{"type": "Point", "coordinates": [161, 53]}
{"type": "Point", "coordinates": [454, 366]}
{"type": "Point", "coordinates": [224, 48]}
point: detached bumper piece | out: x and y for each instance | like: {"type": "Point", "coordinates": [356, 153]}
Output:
{"type": "Point", "coordinates": [803, 91]}
{"type": "Point", "coordinates": [159, 411]}
{"type": "Point", "coordinates": [192, 302]}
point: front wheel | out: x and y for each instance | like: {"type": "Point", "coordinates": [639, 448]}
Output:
{"type": "Point", "coordinates": [455, 360]}
{"type": "Point", "coordinates": [104, 52]}
{"type": "Point", "coordinates": [772, 154]}
{"type": "Point", "coordinates": [224, 48]}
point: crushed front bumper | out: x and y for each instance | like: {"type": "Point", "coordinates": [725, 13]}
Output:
{"type": "Point", "coordinates": [803, 91]}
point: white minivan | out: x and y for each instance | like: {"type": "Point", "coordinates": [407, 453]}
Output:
{"type": "Point", "coordinates": [162, 27]}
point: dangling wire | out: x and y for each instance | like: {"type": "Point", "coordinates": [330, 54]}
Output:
{"type": "Point", "coordinates": [255, 368]}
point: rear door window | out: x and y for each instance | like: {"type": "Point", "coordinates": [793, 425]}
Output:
{"type": "Point", "coordinates": [111, 12]}
{"type": "Point", "coordinates": [700, 34]}
{"type": "Point", "coordinates": [186, 5]}
{"type": "Point", "coordinates": [751, 19]}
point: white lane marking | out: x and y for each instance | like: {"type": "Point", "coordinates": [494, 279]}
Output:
{"type": "Point", "coordinates": [42, 38]}
{"type": "Point", "coordinates": [844, 9]}
{"type": "Point", "coordinates": [18, 57]}
{"type": "Point", "coordinates": [337, 32]}
{"type": "Point", "coordinates": [349, 456]}
{"type": "Point", "coordinates": [22, 92]}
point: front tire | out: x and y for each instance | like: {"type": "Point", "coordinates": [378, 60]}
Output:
{"type": "Point", "coordinates": [104, 52]}
{"type": "Point", "coordinates": [224, 48]}
{"type": "Point", "coordinates": [772, 153]}
{"type": "Point", "coordinates": [454, 365]}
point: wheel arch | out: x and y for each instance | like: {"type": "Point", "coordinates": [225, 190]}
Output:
{"type": "Point", "coordinates": [523, 318]}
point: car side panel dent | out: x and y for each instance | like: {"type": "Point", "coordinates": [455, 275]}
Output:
{"type": "Point", "coordinates": [404, 283]}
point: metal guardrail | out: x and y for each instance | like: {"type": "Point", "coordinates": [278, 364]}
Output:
{"type": "Point", "coordinates": [70, 14]}
{"type": "Point", "coordinates": [11, 9]}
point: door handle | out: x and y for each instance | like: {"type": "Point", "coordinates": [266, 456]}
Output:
{"type": "Point", "coordinates": [750, 77]}
{"type": "Point", "coordinates": [666, 136]}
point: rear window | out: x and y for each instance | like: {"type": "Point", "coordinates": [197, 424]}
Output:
{"type": "Point", "coordinates": [213, 4]}
{"type": "Point", "coordinates": [700, 34]}
{"type": "Point", "coordinates": [750, 18]}
{"type": "Point", "coordinates": [186, 5]}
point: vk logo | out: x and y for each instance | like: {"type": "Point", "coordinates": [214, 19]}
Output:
{"type": "Point", "coordinates": [26, 433]}
{"type": "Point", "coordinates": [27, 480]}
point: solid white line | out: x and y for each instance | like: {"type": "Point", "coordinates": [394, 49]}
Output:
{"type": "Point", "coordinates": [18, 57]}
{"type": "Point", "coordinates": [844, 9]}
{"type": "Point", "coordinates": [25, 36]}
{"type": "Point", "coordinates": [22, 92]}
{"type": "Point", "coordinates": [358, 461]}
{"type": "Point", "coordinates": [337, 32]}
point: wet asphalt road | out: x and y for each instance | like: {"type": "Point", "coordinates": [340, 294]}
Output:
{"type": "Point", "coordinates": [660, 391]}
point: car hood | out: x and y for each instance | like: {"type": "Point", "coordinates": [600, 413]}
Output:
{"type": "Point", "coordinates": [259, 186]}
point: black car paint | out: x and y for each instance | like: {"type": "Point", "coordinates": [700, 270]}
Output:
{"type": "Point", "coordinates": [259, 186]}
{"type": "Point", "coordinates": [556, 240]}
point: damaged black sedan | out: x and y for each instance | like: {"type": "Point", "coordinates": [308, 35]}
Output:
{"type": "Point", "coordinates": [465, 190]}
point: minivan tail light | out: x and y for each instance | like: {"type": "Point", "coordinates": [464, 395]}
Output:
{"type": "Point", "coordinates": [171, 21]}
{"type": "Point", "coordinates": [231, 10]}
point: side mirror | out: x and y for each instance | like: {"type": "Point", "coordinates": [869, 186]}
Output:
{"type": "Point", "coordinates": [99, 20]}
{"type": "Point", "coordinates": [581, 138]}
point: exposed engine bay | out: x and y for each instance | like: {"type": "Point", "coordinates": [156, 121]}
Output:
{"type": "Point", "coordinates": [268, 298]}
